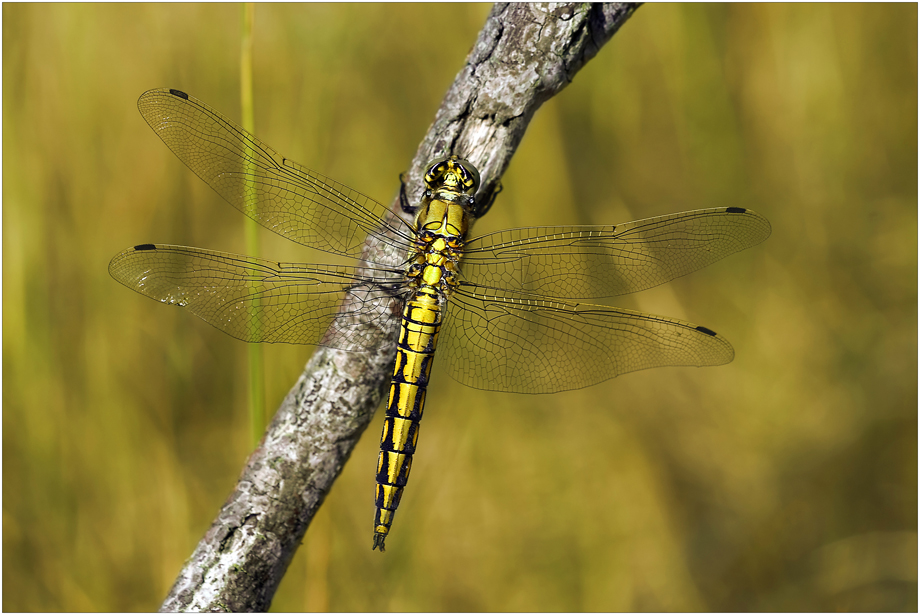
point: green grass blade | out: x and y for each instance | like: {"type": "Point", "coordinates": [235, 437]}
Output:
{"type": "Point", "coordinates": [251, 229]}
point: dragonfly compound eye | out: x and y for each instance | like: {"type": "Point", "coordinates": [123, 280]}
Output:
{"type": "Point", "coordinates": [435, 172]}
{"type": "Point", "coordinates": [469, 175]}
{"type": "Point", "coordinates": [453, 173]}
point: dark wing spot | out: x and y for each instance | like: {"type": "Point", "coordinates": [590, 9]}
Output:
{"type": "Point", "coordinates": [735, 210]}
{"type": "Point", "coordinates": [179, 93]}
{"type": "Point", "coordinates": [707, 331]}
{"type": "Point", "coordinates": [145, 246]}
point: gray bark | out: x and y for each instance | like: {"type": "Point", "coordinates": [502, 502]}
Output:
{"type": "Point", "coordinates": [525, 54]}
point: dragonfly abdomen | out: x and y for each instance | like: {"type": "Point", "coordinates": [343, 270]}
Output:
{"type": "Point", "coordinates": [421, 322]}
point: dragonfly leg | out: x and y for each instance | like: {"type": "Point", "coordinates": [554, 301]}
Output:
{"type": "Point", "coordinates": [407, 207]}
{"type": "Point", "coordinates": [482, 208]}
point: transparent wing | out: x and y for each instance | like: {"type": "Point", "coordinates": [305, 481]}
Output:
{"type": "Point", "coordinates": [262, 301]}
{"type": "Point", "coordinates": [507, 341]}
{"type": "Point", "coordinates": [582, 262]}
{"type": "Point", "coordinates": [278, 193]}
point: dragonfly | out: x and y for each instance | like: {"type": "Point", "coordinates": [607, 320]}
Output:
{"type": "Point", "coordinates": [502, 309]}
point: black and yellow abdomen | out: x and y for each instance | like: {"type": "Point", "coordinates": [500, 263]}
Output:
{"type": "Point", "coordinates": [418, 337]}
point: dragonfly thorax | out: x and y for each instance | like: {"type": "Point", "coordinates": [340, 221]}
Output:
{"type": "Point", "coordinates": [437, 217]}
{"type": "Point", "coordinates": [440, 230]}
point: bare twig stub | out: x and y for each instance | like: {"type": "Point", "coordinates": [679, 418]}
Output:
{"type": "Point", "coordinates": [524, 55]}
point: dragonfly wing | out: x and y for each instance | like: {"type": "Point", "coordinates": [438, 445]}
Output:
{"type": "Point", "coordinates": [278, 193]}
{"type": "Point", "coordinates": [507, 341]}
{"type": "Point", "coordinates": [263, 301]}
{"type": "Point", "coordinates": [605, 261]}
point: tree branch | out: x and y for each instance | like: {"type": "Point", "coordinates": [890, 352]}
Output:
{"type": "Point", "coordinates": [524, 55]}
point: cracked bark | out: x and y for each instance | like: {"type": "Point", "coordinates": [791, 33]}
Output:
{"type": "Point", "coordinates": [524, 55]}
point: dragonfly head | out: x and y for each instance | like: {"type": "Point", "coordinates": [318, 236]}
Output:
{"type": "Point", "coordinates": [453, 174]}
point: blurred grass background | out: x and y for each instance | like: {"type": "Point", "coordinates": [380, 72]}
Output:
{"type": "Point", "coordinates": [784, 481]}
